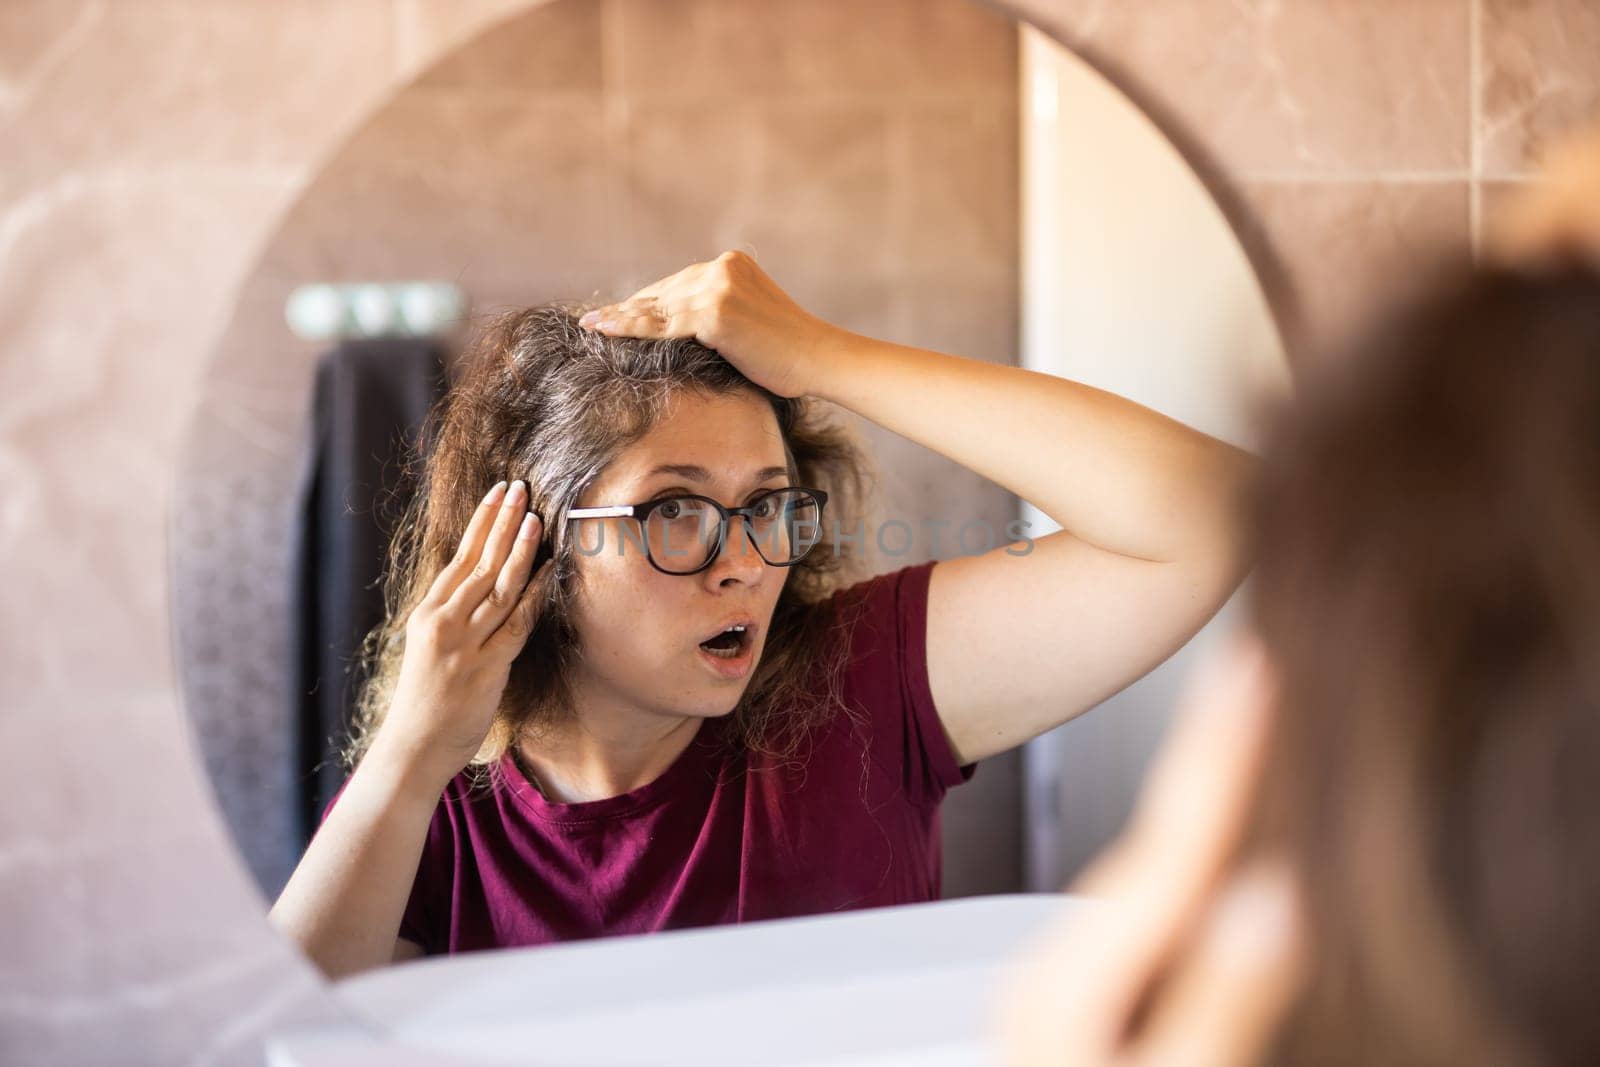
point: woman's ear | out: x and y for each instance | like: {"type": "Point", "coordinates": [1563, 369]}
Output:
{"type": "Point", "coordinates": [1092, 990]}
{"type": "Point", "coordinates": [1200, 788]}
{"type": "Point", "coordinates": [546, 547]}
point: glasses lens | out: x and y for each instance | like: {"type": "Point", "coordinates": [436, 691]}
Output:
{"type": "Point", "coordinates": [786, 525]}
{"type": "Point", "coordinates": [681, 534]}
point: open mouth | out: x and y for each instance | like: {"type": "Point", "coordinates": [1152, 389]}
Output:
{"type": "Point", "coordinates": [730, 643]}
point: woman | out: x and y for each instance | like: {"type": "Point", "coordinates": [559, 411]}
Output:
{"type": "Point", "coordinates": [1376, 839]}
{"type": "Point", "coordinates": [648, 770]}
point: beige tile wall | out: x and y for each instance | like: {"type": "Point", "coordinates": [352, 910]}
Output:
{"type": "Point", "coordinates": [1347, 140]}
{"type": "Point", "coordinates": [149, 150]}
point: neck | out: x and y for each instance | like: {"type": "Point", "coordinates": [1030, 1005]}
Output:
{"type": "Point", "coordinates": [604, 750]}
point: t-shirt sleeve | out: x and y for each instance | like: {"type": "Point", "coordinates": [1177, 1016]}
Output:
{"type": "Point", "coordinates": [887, 674]}
{"type": "Point", "coordinates": [419, 922]}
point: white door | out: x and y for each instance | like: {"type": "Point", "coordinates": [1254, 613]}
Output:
{"type": "Point", "coordinates": [1133, 282]}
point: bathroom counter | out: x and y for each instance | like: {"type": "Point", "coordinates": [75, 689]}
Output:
{"type": "Point", "coordinates": [910, 984]}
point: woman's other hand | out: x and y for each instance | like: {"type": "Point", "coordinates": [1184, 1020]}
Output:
{"type": "Point", "coordinates": [1556, 217]}
{"type": "Point", "coordinates": [1187, 957]}
{"type": "Point", "coordinates": [462, 637]}
{"type": "Point", "coordinates": [731, 305]}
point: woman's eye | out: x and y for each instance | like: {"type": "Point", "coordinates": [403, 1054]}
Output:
{"type": "Point", "coordinates": [671, 509]}
{"type": "Point", "coordinates": [764, 508]}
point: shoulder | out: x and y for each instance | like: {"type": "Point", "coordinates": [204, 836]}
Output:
{"type": "Point", "coordinates": [884, 615]}
{"type": "Point", "coordinates": [884, 678]}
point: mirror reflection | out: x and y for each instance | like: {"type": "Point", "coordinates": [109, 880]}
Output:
{"type": "Point", "coordinates": [687, 573]}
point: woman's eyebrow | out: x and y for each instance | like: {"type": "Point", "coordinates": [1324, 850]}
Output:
{"type": "Point", "coordinates": [699, 474]}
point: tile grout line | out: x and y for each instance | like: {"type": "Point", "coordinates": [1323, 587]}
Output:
{"type": "Point", "coordinates": [1289, 177]}
{"type": "Point", "coordinates": [617, 116]}
{"type": "Point", "coordinates": [1475, 125]}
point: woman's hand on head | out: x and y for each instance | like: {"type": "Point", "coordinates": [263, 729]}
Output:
{"type": "Point", "coordinates": [731, 305]}
{"type": "Point", "coordinates": [1190, 955]}
{"type": "Point", "coordinates": [464, 634]}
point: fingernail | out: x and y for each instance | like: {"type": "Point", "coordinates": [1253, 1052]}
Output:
{"type": "Point", "coordinates": [518, 490]}
{"type": "Point", "coordinates": [494, 493]}
{"type": "Point", "coordinates": [588, 318]}
{"type": "Point", "coordinates": [529, 522]}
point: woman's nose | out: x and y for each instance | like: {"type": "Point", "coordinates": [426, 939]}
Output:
{"type": "Point", "coordinates": [738, 557]}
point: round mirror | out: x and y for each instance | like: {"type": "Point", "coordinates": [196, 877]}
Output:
{"type": "Point", "coordinates": [932, 174]}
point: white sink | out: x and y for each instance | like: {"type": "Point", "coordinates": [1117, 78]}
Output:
{"type": "Point", "coordinates": [910, 984]}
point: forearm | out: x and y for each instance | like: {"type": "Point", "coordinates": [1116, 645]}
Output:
{"type": "Point", "coordinates": [1110, 471]}
{"type": "Point", "coordinates": [345, 900]}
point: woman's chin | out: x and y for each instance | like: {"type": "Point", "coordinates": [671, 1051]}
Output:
{"type": "Point", "coordinates": [717, 702]}
{"type": "Point", "coordinates": [718, 705]}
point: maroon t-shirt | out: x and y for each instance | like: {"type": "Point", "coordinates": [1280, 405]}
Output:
{"type": "Point", "coordinates": [718, 837]}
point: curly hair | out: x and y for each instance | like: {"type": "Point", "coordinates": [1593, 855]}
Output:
{"type": "Point", "coordinates": [1428, 587]}
{"type": "Point", "coordinates": [540, 398]}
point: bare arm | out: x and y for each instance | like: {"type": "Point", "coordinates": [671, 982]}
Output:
{"type": "Point", "coordinates": [1148, 551]}
{"type": "Point", "coordinates": [345, 900]}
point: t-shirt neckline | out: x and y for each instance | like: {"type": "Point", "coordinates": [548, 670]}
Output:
{"type": "Point", "coordinates": [692, 759]}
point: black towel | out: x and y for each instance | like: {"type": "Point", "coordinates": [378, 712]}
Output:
{"type": "Point", "coordinates": [370, 402]}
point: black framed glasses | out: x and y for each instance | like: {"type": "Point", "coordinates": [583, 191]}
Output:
{"type": "Point", "coordinates": [684, 534]}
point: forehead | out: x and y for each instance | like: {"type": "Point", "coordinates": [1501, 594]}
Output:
{"type": "Point", "coordinates": [733, 437]}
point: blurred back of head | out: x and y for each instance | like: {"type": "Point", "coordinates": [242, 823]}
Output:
{"type": "Point", "coordinates": [1428, 584]}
